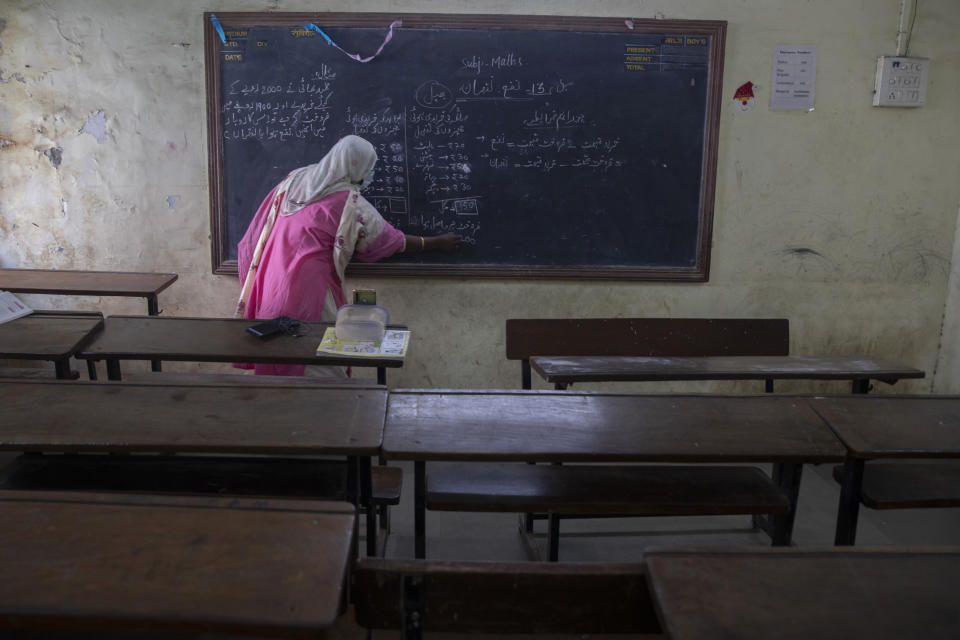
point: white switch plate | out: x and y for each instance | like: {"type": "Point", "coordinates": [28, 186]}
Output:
{"type": "Point", "coordinates": [901, 82]}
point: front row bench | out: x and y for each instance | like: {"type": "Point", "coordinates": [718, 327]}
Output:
{"type": "Point", "coordinates": [592, 490]}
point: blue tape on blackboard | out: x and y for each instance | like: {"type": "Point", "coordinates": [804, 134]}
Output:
{"type": "Point", "coordinates": [216, 25]}
{"type": "Point", "coordinates": [354, 56]}
{"type": "Point", "coordinates": [314, 27]}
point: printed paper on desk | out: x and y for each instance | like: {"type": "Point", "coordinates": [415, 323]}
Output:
{"type": "Point", "coordinates": [11, 307]}
{"type": "Point", "coordinates": [393, 345]}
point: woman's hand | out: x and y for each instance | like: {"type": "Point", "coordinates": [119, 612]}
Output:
{"type": "Point", "coordinates": [444, 242]}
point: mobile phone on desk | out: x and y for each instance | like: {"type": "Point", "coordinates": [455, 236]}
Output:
{"type": "Point", "coordinates": [272, 327]}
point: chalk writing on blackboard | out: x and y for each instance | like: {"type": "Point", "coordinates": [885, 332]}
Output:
{"type": "Point", "coordinates": [556, 149]}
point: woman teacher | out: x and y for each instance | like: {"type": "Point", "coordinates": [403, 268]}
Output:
{"type": "Point", "coordinates": [293, 256]}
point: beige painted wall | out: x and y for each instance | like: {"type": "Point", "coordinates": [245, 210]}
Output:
{"type": "Point", "coordinates": [842, 219]}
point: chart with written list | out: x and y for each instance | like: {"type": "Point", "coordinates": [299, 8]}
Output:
{"type": "Point", "coordinates": [551, 152]}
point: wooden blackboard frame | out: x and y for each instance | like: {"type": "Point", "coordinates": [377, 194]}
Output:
{"type": "Point", "coordinates": [715, 29]}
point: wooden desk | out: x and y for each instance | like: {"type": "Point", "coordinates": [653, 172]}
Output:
{"type": "Point", "coordinates": [563, 371]}
{"type": "Point", "coordinates": [550, 426]}
{"type": "Point", "coordinates": [886, 427]}
{"type": "Point", "coordinates": [49, 335]}
{"type": "Point", "coordinates": [130, 418]}
{"type": "Point", "coordinates": [166, 564]}
{"type": "Point", "coordinates": [806, 594]}
{"type": "Point", "coordinates": [88, 283]}
{"type": "Point", "coordinates": [215, 340]}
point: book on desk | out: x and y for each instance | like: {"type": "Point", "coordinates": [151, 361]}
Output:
{"type": "Point", "coordinates": [393, 344]}
{"type": "Point", "coordinates": [12, 307]}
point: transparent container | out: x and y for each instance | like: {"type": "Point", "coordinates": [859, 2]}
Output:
{"type": "Point", "coordinates": [361, 322]}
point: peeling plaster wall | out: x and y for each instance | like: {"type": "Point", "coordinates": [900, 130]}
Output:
{"type": "Point", "coordinates": [842, 220]}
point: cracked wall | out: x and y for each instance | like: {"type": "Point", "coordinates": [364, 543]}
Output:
{"type": "Point", "coordinates": [841, 220]}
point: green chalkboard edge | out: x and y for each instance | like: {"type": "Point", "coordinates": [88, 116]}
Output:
{"type": "Point", "coordinates": [700, 272]}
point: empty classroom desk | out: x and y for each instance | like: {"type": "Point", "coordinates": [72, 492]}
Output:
{"type": "Point", "coordinates": [89, 563]}
{"type": "Point", "coordinates": [563, 371]}
{"type": "Point", "coordinates": [216, 340]}
{"type": "Point", "coordinates": [88, 283]}
{"type": "Point", "coordinates": [277, 422]}
{"type": "Point", "coordinates": [893, 427]}
{"type": "Point", "coordinates": [802, 594]}
{"type": "Point", "coordinates": [54, 336]}
{"type": "Point", "coordinates": [550, 426]}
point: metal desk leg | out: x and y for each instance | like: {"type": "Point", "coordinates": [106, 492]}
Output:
{"type": "Point", "coordinates": [849, 507]}
{"type": "Point", "coordinates": [153, 309]}
{"type": "Point", "coordinates": [420, 508]}
{"type": "Point", "coordinates": [366, 499]}
{"type": "Point", "coordinates": [554, 536]}
{"type": "Point", "coordinates": [113, 369]}
{"type": "Point", "coordinates": [92, 369]}
{"type": "Point", "coordinates": [63, 370]}
{"type": "Point", "coordinates": [353, 498]}
{"type": "Point", "coordinates": [787, 478]}
{"type": "Point", "coordinates": [382, 375]}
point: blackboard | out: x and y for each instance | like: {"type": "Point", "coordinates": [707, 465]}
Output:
{"type": "Point", "coordinates": [557, 147]}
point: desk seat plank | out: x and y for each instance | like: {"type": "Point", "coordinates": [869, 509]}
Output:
{"type": "Point", "coordinates": [171, 568]}
{"type": "Point", "coordinates": [571, 369]}
{"type": "Point", "coordinates": [914, 485]}
{"type": "Point", "coordinates": [591, 489]}
{"type": "Point", "coordinates": [86, 416]}
{"type": "Point", "coordinates": [806, 594]}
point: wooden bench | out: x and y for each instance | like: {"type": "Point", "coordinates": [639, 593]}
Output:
{"type": "Point", "coordinates": [109, 566]}
{"type": "Point", "coordinates": [472, 597]}
{"type": "Point", "coordinates": [922, 433]}
{"type": "Point", "coordinates": [615, 434]}
{"type": "Point", "coordinates": [140, 422]}
{"type": "Point", "coordinates": [592, 490]}
{"type": "Point", "coordinates": [651, 337]}
{"type": "Point", "coordinates": [913, 485]}
{"type": "Point", "coordinates": [654, 337]}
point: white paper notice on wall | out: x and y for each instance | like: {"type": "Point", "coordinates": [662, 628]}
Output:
{"type": "Point", "coordinates": [794, 77]}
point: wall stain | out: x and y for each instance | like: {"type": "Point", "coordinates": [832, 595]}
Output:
{"type": "Point", "coordinates": [55, 156]}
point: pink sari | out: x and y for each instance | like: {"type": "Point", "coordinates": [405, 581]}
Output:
{"type": "Point", "coordinates": [297, 265]}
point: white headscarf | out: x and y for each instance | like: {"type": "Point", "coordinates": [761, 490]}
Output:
{"type": "Point", "coordinates": [342, 169]}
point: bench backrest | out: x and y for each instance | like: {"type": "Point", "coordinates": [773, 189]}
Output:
{"type": "Point", "coordinates": [480, 597]}
{"type": "Point", "coordinates": [653, 337]}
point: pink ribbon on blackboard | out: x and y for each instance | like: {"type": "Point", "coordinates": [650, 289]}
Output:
{"type": "Point", "coordinates": [354, 56]}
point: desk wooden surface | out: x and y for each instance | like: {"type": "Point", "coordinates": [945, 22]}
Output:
{"type": "Point", "coordinates": [570, 369]}
{"type": "Point", "coordinates": [48, 335]}
{"type": "Point", "coordinates": [894, 426]}
{"type": "Point", "coordinates": [95, 283]}
{"type": "Point", "coordinates": [547, 426]}
{"type": "Point", "coordinates": [806, 594]}
{"type": "Point", "coordinates": [214, 340]}
{"type": "Point", "coordinates": [177, 565]}
{"type": "Point", "coordinates": [85, 416]}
